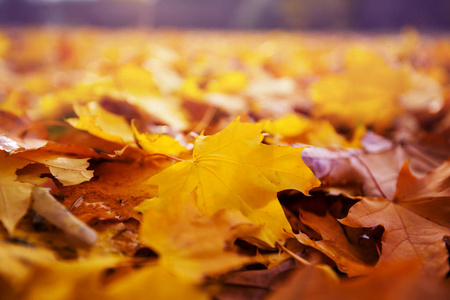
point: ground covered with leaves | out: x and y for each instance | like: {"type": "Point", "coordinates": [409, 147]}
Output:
{"type": "Point", "coordinates": [194, 165]}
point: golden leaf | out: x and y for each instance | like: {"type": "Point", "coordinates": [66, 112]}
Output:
{"type": "Point", "coordinates": [366, 93]}
{"type": "Point", "coordinates": [192, 245]}
{"type": "Point", "coordinates": [101, 123]}
{"type": "Point", "coordinates": [233, 170]}
{"type": "Point", "coordinates": [15, 196]}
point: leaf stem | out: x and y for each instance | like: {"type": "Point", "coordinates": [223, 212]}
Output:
{"type": "Point", "coordinates": [292, 254]}
{"type": "Point", "coordinates": [167, 156]}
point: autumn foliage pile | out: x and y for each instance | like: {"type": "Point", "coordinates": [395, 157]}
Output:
{"type": "Point", "coordinates": [227, 165]}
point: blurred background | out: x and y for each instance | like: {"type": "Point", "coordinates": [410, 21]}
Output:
{"type": "Point", "coordinates": [378, 15]}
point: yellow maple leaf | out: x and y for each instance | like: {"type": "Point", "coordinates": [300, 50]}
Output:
{"type": "Point", "coordinates": [15, 196]}
{"type": "Point", "coordinates": [192, 245]}
{"type": "Point", "coordinates": [233, 170]}
{"type": "Point", "coordinates": [228, 83]}
{"type": "Point", "coordinates": [289, 125]}
{"type": "Point", "coordinates": [366, 93]}
{"type": "Point", "coordinates": [66, 280]}
{"type": "Point", "coordinates": [14, 103]}
{"type": "Point", "coordinates": [35, 272]}
{"type": "Point", "coordinates": [102, 123]}
{"type": "Point", "coordinates": [17, 260]}
{"type": "Point", "coordinates": [195, 87]}
{"type": "Point", "coordinates": [135, 79]}
{"type": "Point", "coordinates": [191, 88]}
{"type": "Point", "coordinates": [167, 110]}
{"type": "Point", "coordinates": [52, 105]}
{"type": "Point", "coordinates": [158, 143]}
{"type": "Point", "coordinates": [163, 285]}
{"type": "Point", "coordinates": [294, 128]}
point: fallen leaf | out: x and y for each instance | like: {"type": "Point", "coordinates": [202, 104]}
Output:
{"type": "Point", "coordinates": [427, 196]}
{"type": "Point", "coordinates": [101, 123]}
{"type": "Point", "coordinates": [374, 169]}
{"type": "Point", "coordinates": [408, 235]}
{"type": "Point", "coordinates": [17, 261]}
{"type": "Point", "coordinates": [334, 244]}
{"type": "Point", "coordinates": [233, 170]}
{"type": "Point", "coordinates": [115, 192]}
{"type": "Point", "coordinates": [163, 285]}
{"type": "Point", "coordinates": [360, 96]}
{"type": "Point", "coordinates": [68, 171]}
{"type": "Point", "coordinates": [13, 145]}
{"type": "Point", "coordinates": [254, 284]}
{"type": "Point", "coordinates": [403, 280]}
{"type": "Point", "coordinates": [134, 79]}
{"type": "Point", "coordinates": [15, 197]}
{"type": "Point", "coordinates": [158, 143]}
{"type": "Point", "coordinates": [192, 245]}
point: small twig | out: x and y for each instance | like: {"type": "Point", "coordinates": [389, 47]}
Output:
{"type": "Point", "coordinates": [292, 254]}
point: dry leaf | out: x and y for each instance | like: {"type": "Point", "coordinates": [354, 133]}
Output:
{"type": "Point", "coordinates": [408, 235]}
{"type": "Point", "coordinates": [397, 281]}
{"type": "Point", "coordinates": [192, 245]}
{"type": "Point", "coordinates": [233, 170]}
{"type": "Point", "coordinates": [334, 244]}
{"type": "Point", "coordinates": [15, 197]}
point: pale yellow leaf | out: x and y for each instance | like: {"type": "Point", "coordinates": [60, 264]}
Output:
{"type": "Point", "coordinates": [15, 196]}
{"type": "Point", "coordinates": [101, 123]}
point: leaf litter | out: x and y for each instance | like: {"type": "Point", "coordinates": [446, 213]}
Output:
{"type": "Point", "coordinates": [263, 165]}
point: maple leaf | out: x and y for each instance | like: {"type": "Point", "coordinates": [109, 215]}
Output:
{"type": "Point", "coordinates": [158, 143]}
{"type": "Point", "coordinates": [17, 261]}
{"type": "Point", "coordinates": [427, 196]}
{"type": "Point", "coordinates": [229, 83]}
{"type": "Point", "coordinates": [68, 171]}
{"type": "Point", "coordinates": [101, 123]}
{"type": "Point", "coordinates": [254, 284]}
{"type": "Point", "coordinates": [192, 245]}
{"type": "Point", "coordinates": [163, 285]}
{"type": "Point", "coordinates": [233, 170]}
{"type": "Point", "coordinates": [31, 272]}
{"type": "Point", "coordinates": [375, 168]}
{"type": "Point", "coordinates": [53, 105]}
{"type": "Point", "coordinates": [82, 278]}
{"type": "Point", "coordinates": [115, 193]}
{"type": "Point", "coordinates": [14, 104]}
{"type": "Point", "coordinates": [134, 79]}
{"type": "Point", "coordinates": [294, 129]}
{"type": "Point", "coordinates": [360, 96]}
{"type": "Point", "coordinates": [404, 280]}
{"type": "Point", "coordinates": [409, 234]}
{"type": "Point", "coordinates": [13, 145]}
{"type": "Point", "coordinates": [35, 272]}
{"type": "Point", "coordinates": [15, 196]}
{"type": "Point", "coordinates": [334, 244]}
